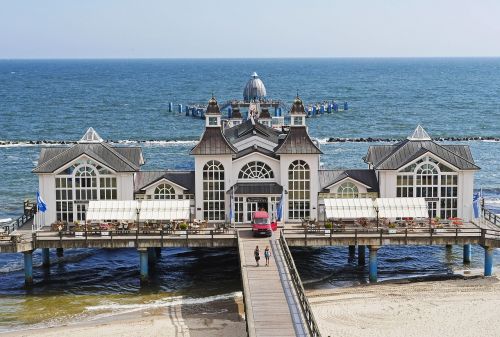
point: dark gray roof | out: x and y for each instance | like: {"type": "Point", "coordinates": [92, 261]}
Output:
{"type": "Point", "coordinates": [257, 188]}
{"type": "Point", "coordinates": [249, 129]}
{"type": "Point", "coordinates": [365, 176]}
{"type": "Point", "coordinates": [297, 141]}
{"type": "Point", "coordinates": [213, 142]}
{"type": "Point", "coordinates": [181, 178]}
{"type": "Point", "coordinates": [253, 149]}
{"type": "Point", "coordinates": [117, 158]}
{"type": "Point", "coordinates": [393, 157]}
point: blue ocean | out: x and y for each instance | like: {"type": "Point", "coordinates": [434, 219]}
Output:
{"type": "Point", "coordinates": [126, 101]}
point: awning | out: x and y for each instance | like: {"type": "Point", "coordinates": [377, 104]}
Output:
{"type": "Point", "coordinates": [164, 210]}
{"type": "Point", "coordinates": [349, 208]}
{"type": "Point", "coordinates": [402, 207]}
{"type": "Point", "coordinates": [257, 188]}
{"type": "Point", "coordinates": [112, 210]}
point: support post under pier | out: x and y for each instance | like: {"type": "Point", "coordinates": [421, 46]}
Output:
{"type": "Point", "coordinates": [59, 252]}
{"type": "Point", "coordinates": [28, 268]}
{"type": "Point", "coordinates": [488, 260]}
{"type": "Point", "coordinates": [158, 252]}
{"type": "Point", "coordinates": [151, 255]}
{"type": "Point", "coordinates": [361, 255]}
{"type": "Point", "coordinates": [373, 263]}
{"type": "Point", "coordinates": [143, 264]}
{"type": "Point", "coordinates": [45, 257]}
{"type": "Point", "coordinates": [352, 252]}
{"type": "Point", "coordinates": [467, 253]}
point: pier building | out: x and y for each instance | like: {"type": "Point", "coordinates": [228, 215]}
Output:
{"type": "Point", "coordinates": [250, 166]}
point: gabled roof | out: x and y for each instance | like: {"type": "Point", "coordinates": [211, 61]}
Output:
{"type": "Point", "coordinates": [364, 176]}
{"type": "Point", "coordinates": [297, 141]}
{"type": "Point", "coordinates": [184, 179]}
{"type": "Point", "coordinates": [249, 129]}
{"type": "Point", "coordinates": [116, 158]}
{"type": "Point", "coordinates": [213, 142]}
{"type": "Point", "coordinates": [254, 149]}
{"type": "Point", "coordinates": [393, 157]}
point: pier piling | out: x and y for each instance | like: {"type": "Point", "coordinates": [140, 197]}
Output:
{"type": "Point", "coordinates": [158, 252]}
{"type": "Point", "coordinates": [361, 255]}
{"type": "Point", "coordinates": [59, 252]}
{"type": "Point", "coordinates": [467, 253]}
{"type": "Point", "coordinates": [373, 263]}
{"type": "Point", "coordinates": [28, 268]}
{"type": "Point", "coordinates": [488, 260]}
{"type": "Point", "coordinates": [151, 255]}
{"type": "Point", "coordinates": [143, 262]}
{"type": "Point", "coordinates": [352, 252]}
{"type": "Point", "coordinates": [45, 257]}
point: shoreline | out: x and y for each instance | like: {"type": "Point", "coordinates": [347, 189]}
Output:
{"type": "Point", "coordinates": [422, 306]}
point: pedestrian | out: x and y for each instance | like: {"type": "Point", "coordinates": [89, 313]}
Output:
{"type": "Point", "coordinates": [256, 254]}
{"type": "Point", "coordinates": [267, 255]}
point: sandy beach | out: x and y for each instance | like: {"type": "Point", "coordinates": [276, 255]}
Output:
{"type": "Point", "coordinates": [436, 308]}
{"type": "Point", "coordinates": [439, 308]}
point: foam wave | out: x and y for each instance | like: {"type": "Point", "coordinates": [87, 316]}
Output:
{"type": "Point", "coordinates": [5, 220]}
{"type": "Point", "coordinates": [163, 303]}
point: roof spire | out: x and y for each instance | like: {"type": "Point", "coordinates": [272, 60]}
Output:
{"type": "Point", "coordinates": [91, 136]}
{"type": "Point", "coordinates": [419, 134]}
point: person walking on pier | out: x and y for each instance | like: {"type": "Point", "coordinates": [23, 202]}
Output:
{"type": "Point", "coordinates": [267, 255]}
{"type": "Point", "coordinates": [256, 254]}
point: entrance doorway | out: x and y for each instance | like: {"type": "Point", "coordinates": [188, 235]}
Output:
{"type": "Point", "coordinates": [255, 204]}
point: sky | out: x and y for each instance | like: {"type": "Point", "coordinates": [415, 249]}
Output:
{"type": "Point", "coordinates": [253, 29]}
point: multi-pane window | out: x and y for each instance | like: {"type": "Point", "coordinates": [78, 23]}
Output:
{"type": "Point", "coordinates": [213, 191]}
{"type": "Point", "coordinates": [108, 189]}
{"type": "Point", "coordinates": [348, 190]}
{"type": "Point", "coordinates": [164, 191]}
{"type": "Point", "coordinates": [298, 190]}
{"type": "Point", "coordinates": [64, 199]}
{"type": "Point", "coordinates": [435, 181]}
{"type": "Point", "coordinates": [84, 180]}
{"type": "Point", "coordinates": [85, 183]}
{"type": "Point", "coordinates": [238, 209]}
{"type": "Point", "coordinates": [449, 195]}
{"type": "Point", "coordinates": [256, 170]}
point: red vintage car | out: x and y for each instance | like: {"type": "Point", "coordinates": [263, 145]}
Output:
{"type": "Point", "coordinates": [262, 225]}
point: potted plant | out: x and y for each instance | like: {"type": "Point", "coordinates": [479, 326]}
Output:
{"type": "Point", "coordinates": [391, 228]}
{"type": "Point", "coordinates": [78, 229]}
{"type": "Point", "coordinates": [182, 228]}
{"type": "Point", "coordinates": [328, 227]}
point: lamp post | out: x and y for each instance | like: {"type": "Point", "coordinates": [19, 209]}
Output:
{"type": "Point", "coordinates": [376, 210]}
{"type": "Point", "coordinates": [138, 210]}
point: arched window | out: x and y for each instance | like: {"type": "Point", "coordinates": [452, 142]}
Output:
{"type": "Point", "coordinates": [164, 191]}
{"type": "Point", "coordinates": [298, 190]}
{"type": "Point", "coordinates": [213, 191]}
{"type": "Point", "coordinates": [85, 183]}
{"type": "Point", "coordinates": [256, 170]}
{"type": "Point", "coordinates": [348, 190]}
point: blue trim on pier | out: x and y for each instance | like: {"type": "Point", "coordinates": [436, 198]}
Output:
{"type": "Point", "coordinates": [488, 260]}
{"type": "Point", "coordinates": [28, 267]}
{"type": "Point", "coordinates": [467, 253]}
{"type": "Point", "coordinates": [372, 264]}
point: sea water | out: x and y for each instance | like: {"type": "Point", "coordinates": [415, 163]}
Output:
{"type": "Point", "coordinates": [126, 101]}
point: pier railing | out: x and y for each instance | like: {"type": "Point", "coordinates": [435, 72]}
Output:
{"type": "Point", "coordinates": [297, 283]}
{"type": "Point", "coordinates": [491, 217]}
{"type": "Point", "coordinates": [29, 213]}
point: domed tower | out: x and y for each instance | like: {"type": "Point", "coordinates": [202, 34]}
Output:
{"type": "Point", "coordinates": [254, 89]}
{"type": "Point", "coordinates": [298, 113]}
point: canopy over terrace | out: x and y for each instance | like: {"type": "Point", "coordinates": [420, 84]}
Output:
{"type": "Point", "coordinates": [127, 210]}
{"type": "Point", "coordinates": [367, 208]}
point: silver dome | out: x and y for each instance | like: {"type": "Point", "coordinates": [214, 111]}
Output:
{"type": "Point", "coordinates": [254, 89]}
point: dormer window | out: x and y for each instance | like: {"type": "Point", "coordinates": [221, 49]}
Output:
{"type": "Point", "coordinates": [298, 120]}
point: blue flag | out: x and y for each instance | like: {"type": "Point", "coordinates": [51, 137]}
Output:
{"type": "Point", "coordinates": [475, 204]}
{"type": "Point", "coordinates": [41, 205]}
{"type": "Point", "coordinates": [279, 211]}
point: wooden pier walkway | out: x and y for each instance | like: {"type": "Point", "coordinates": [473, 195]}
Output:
{"type": "Point", "coordinates": [271, 305]}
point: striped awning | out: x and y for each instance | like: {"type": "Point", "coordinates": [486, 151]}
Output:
{"type": "Point", "coordinates": [164, 210]}
{"type": "Point", "coordinates": [349, 208]}
{"type": "Point", "coordinates": [112, 210]}
{"type": "Point", "coordinates": [402, 207]}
